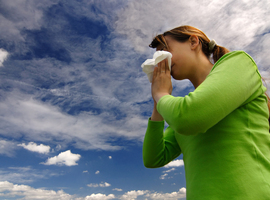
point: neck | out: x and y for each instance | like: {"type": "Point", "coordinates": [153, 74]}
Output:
{"type": "Point", "coordinates": [202, 69]}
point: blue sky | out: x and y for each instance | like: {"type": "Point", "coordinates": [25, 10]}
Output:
{"type": "Point", "coordinates": [75, 103]}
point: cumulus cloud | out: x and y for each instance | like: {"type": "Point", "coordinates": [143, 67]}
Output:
{"type": "Point", "coordinates": [99, 185]}
{"type": "Point", "coordinates": [31, 146]}
{"type": "Point", "coordinates": [133, 194]}
{"type": "Point", "coordinates": [99, 196]}
{"type": "Point", "coordinates": [97, 172]}
{"type": "Point", "coordinates": [64, 158]}
{"type": "Point", "coordinates": [181, 194]}
{"type": "Point", "coordinates": [175, 163]}
{"type": "Point", "coordinates": [3, 56]}
{"type": "Point", "coordinates": [110, 157]}
{"type": "Point", "coordinates": [8, 189]}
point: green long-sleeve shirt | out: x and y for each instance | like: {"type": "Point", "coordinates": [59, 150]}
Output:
{"type": "Point", "coordinates": [222, 130]}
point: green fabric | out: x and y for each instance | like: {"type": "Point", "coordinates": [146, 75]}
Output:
{"type": "Point", "coordinates": [222, 130]}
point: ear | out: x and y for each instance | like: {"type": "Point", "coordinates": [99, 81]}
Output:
{"type": "Point", "coordinates": [194, 42]}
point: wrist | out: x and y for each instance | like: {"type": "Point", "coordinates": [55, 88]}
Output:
{"type": "Point", "coordinates": [158, 96]}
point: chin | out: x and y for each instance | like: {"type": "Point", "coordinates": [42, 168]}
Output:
{"type": "Point", "coordinates": [179, 78]}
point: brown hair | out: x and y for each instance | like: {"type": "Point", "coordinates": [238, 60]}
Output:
{"type": "Point", "coordinates": [182, 34]}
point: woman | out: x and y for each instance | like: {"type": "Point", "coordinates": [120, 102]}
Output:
{"type": "Point", "coordinates": [221, 127]}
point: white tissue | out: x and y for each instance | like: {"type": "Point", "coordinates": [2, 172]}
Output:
{"type": "Point", "coordinates": [149, 65]}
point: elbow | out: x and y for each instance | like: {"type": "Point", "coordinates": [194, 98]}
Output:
{"type": "Point", "coordinates": [150, 163]}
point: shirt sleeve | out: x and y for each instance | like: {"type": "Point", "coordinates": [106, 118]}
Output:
{"type": "Point", "coordinates": [159, 148]}
{"type": "Point", "coordinates": [230, 84]}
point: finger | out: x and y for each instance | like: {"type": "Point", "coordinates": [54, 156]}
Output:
{"type": "Point", "coordinates": [167, 66]}
{"type": "Point", "coordinates": [159, 68]}
{"type": "Point", "coordinates": [155, 73]}
{"type": "Point", "coordinates": [162, 67]}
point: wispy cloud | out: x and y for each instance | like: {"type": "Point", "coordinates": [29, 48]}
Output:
{"type": "Point", "coordinates": [105, 184]}
{"type": "Point", "coordinates": [7, 148]}
{"type": "Point", "coordinates": [41, 121]}
{"type": "Point", "coordinates": [25, 174]}
{"type": "Point", "coordinates": [236, 16]}
{"type": "Point", "coordinates": [64, 158]}
{"type": "Point", "coordinates": [118, 189]}
{"type": "Point", "coordinates": [31, 146]}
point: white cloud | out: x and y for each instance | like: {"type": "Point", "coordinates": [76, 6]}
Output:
{"type": "Point", "coordinates": [242, 21]}
{"type": "Point", "coordinates": [175, 163]}
{"type": "Point", "coordinates": [97, 172]}
{"type": "Point", "coordinates": [8, 189]}
{"type": "Point", "coordinates": [43, 122]}
{"type": "Point", "coordinates": [31, 146]}
{"type": "Point", "coordinates": [181, 194]}
{"type": "Point", "coordinates": [25, 15]}
{"type": "Point", "coordinates": [99, 185]}
{"type": "Point", "coordinates": [85, 171]}
{"type": "Point", "coordinates": [133, 194]}
{"type": "Point", "coordinates": [165, 173]}
{"type": "Point", "coordinates": [118, 189]}
{"type": "Point", "coordinates": [3, 56]}
{"type": "Point", "coordinates": [99, 196]}
{"type": "Point", "coordinates": [64, 158]}
{"type": "Point", "coordinates": [163, 176]}
{"type": "Point", "coordinates": [25, 174]}
{"type": "Point", "coordinates": [110, 157]}
{"type": "Point", "coordinates": [169, 170]}
{"type": "Point", "coordinates": [7, 148]}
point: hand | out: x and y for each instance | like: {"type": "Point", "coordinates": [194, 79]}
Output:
{"type": "Point", "coordinates": [161, 83]}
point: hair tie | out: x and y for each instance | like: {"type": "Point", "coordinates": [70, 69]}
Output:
{"type": "Point", "coordinates": [212, 45]}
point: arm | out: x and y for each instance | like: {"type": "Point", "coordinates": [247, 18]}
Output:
{"type": "Point", "coordinates": [158, 148]}
{"type": "Point", "coordinates": [155, 115]}
{"type": "Point", "coordinates": [230, 84]}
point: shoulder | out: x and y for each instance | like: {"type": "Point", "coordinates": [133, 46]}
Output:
{"type": "Point", "coordinates": [234, 58]}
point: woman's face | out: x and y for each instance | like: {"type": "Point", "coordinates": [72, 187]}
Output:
{"type": "Point", "coordinates": [181, 65]}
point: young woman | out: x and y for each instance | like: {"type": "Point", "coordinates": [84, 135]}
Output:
{"type": "Point", "coordinates": [221, 127]}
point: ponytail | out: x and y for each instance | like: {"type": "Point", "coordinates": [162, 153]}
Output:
{"type": "Point", "coordinates": [218, 52]}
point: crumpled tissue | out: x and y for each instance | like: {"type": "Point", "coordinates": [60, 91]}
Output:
{"type": "Point", "coordinates": [149, 65]}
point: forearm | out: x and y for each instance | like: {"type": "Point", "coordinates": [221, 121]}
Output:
{"type": "Point", "coordinates": [159, 148]}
